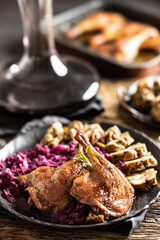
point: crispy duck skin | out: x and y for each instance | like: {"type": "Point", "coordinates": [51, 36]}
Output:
{"type": "Point", "coordinates": [93, 22]}
{"type": "Point", "coordinates": [104, 186]}
{"type": "Point", "coordinates": [111, 32]}
{"type": "Point", "coordinates": [126, 47]}
{"type": "Point", "coordinates": [49, 188]}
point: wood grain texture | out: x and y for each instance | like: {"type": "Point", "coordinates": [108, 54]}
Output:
{"type": "Point", "coordinates": [12, 227]}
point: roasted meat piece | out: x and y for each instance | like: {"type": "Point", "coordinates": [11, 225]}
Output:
{"type": "Point", "coordinates": [126, 47]}
{"type": "Point", "coordinates": [93, 22]}
{"type": "Point", "coordinates": [103, 187]}
{"type": "Point", "coordinates": [49, 188]}
{"type": "Point", "coordinates": [110, 32]}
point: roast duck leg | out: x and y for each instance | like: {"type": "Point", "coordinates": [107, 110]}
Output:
{"type": "Point", "coordinates": [128, 43]}
{"type": "Point", "coordinates": [49, 188]}
{"type": "Point", "coordinates": [94, 22]}
{"type": "Point", "coordinates": [104, 187]}
{"type": "Point", "coordinates": [111, 31]}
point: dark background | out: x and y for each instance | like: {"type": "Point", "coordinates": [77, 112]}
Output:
{"type": "Point", "coordinates": [11, 30]}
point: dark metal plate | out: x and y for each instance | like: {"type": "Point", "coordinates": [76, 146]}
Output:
{"type": "Point", "coordinates": [32, 133]}
{"type": "Point", "coordinates": [125, 95]}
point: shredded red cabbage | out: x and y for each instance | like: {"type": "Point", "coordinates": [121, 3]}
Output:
{"type": "Point", "coordinates": [30, 159]}
{"type": "Point", "coordinates": [121, 166]}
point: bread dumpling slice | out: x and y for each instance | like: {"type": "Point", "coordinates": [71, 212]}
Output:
{"type": "Point", "coordinates": [135, 151]}
{"type": "Point", "coordinates": [140, 164]}
{"type": "Point", "coordinates": [121, 143]}
{"type": "Point", "coordinates": [144, 180]}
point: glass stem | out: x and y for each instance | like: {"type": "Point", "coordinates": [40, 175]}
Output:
{"type": "Point", "coordinates": [37, 20]}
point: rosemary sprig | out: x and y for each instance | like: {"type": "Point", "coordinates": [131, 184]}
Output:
{"type": "Point", "coordinates": [82, 157]}
{"type": "Point", "coordinates": [87, 148]}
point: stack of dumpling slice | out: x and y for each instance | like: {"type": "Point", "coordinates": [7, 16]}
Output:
{"type": "Point", "coordinates": [135, 159]}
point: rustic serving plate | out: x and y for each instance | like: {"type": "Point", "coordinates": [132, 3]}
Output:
{"type": "Point", "coordinates": [32, 132]}
{"type": "Point", "coordinates": [125, 96]}
{"type": "Point", "coordinates": [134, 10]}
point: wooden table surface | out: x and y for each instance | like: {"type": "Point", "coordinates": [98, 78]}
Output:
{"type": "Point", "coordinates": [12, 227]}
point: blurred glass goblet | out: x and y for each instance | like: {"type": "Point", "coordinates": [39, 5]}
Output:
{"type": "Point", "coordinates": [42, 81]}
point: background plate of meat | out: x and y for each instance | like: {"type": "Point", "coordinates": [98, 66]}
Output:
{"type": "Point", "coordinates": [31, 134]}
{"type": "Point", "coordinates": [106, 55]}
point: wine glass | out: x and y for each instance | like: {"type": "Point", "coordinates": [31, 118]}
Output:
{"type": "Point", "coordinates": [42, 81]}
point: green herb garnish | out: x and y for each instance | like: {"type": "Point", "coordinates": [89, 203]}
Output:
{"type": "Point", "coordinates": [82, 157]}
{"type": "Point", "coordinates": [87, 148]}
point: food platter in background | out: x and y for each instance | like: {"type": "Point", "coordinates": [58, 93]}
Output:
{"type": "Point", "coordinates": [125, 96]}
